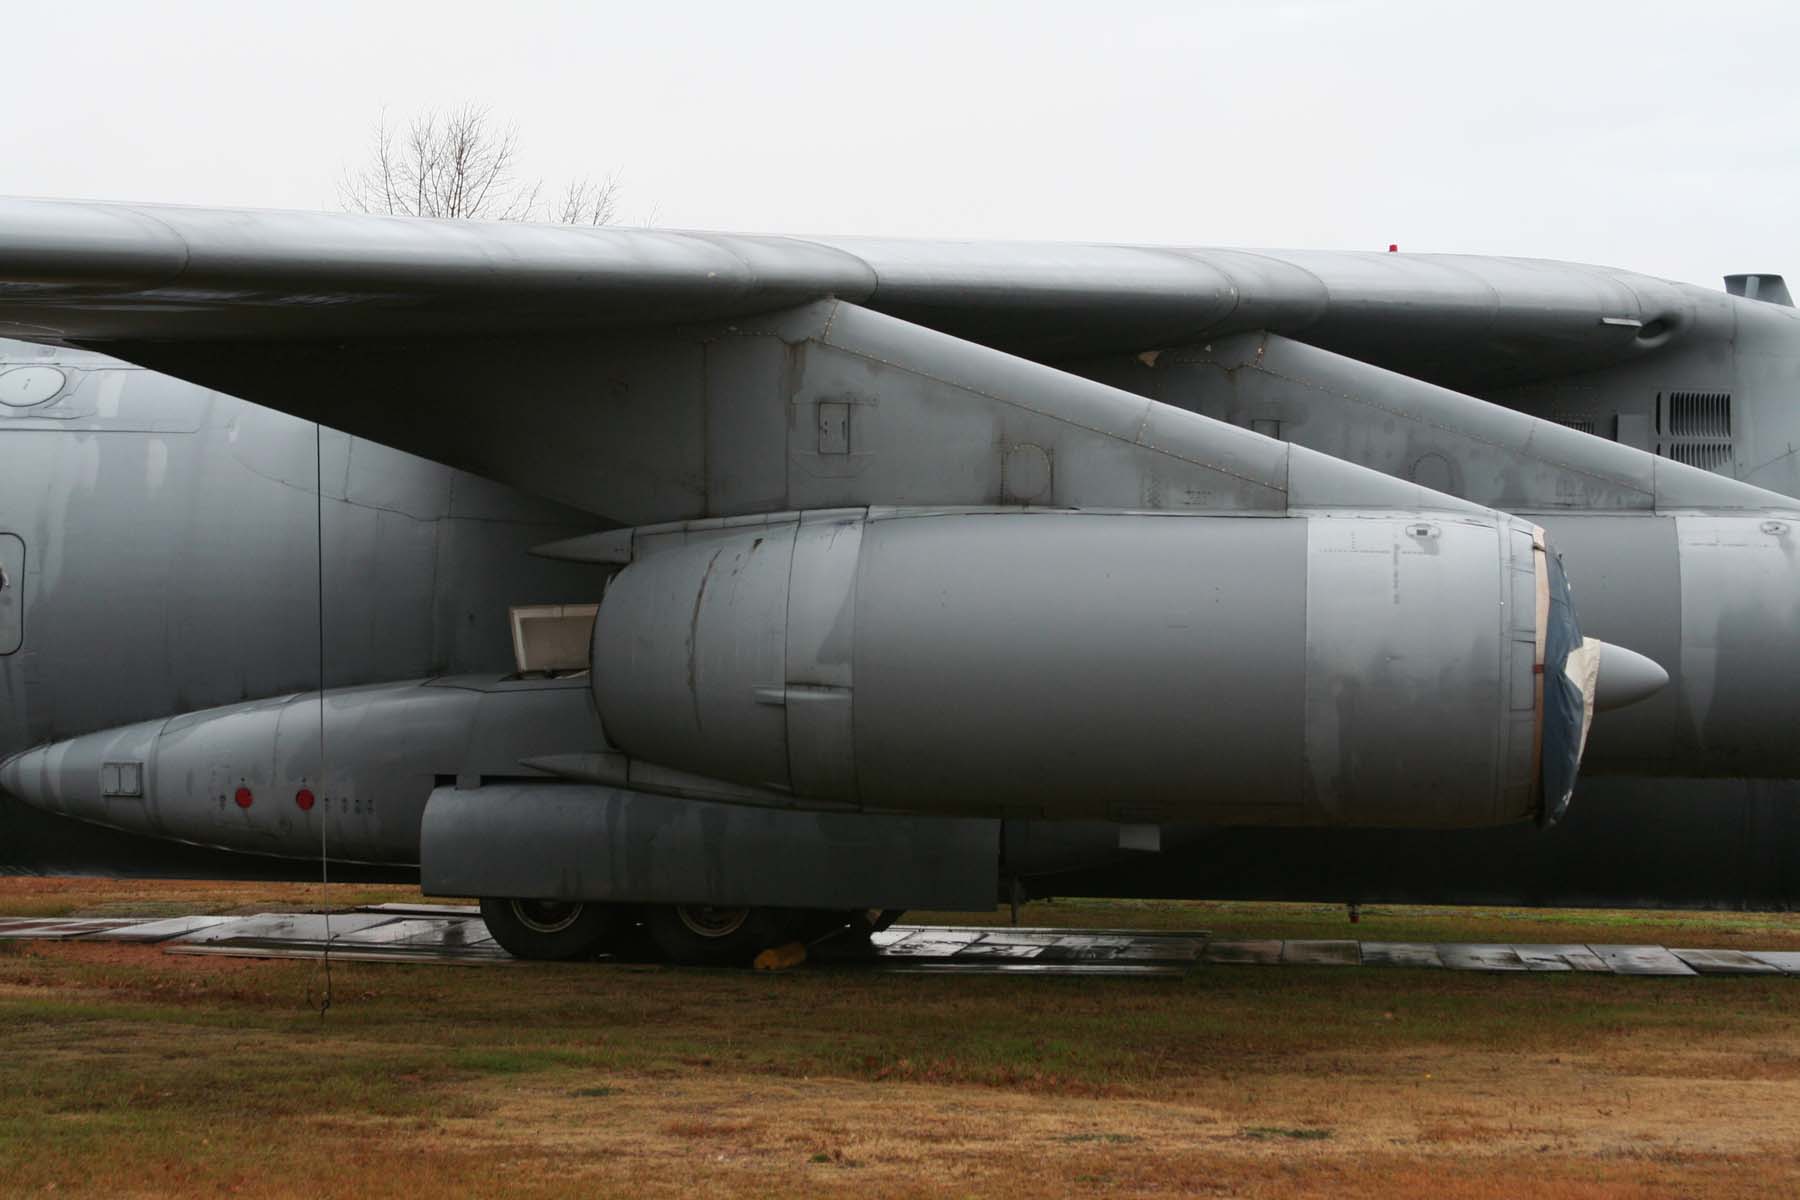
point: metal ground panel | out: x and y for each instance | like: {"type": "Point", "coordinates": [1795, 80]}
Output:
{"type": "Point", "coordinates": [1322, 953]}
{"type": "Point", "coordinates": [1482, 956]}
{"type": "Point", "coordinates": [1785, 961]}
{"type": "Point", "coordinates": [456, 934]}
{"type": "Point", "coordinates": [1400, 954]}
{"type": "Point", "coordinates": [1724, 962]}
{"type": "Point", "coordinates": [1266, 953]}
{"type": "Point", "coordinates": [1010, 967]}
{"type": "Point", "coordinates": [162, 931]}
{"type": "Point", "coordinates": [253, 948]}
{"type": "Point", "coordinates": [1642, 960]}
{"type": "Point", "coordinates": [1561, 957]}
{"type": "Point", "coordinates": [64, 928]}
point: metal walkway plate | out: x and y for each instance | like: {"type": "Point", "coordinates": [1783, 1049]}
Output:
{"type": "Point", "coordinates": [386, 933]}
{"type": "Point", "coordinates": [1480, 956]}
{"type": "Point", "coordinates": [1786, 961]}
{"type": "Point", "coordinates": [1243, 952]}
{"type": "Point", "coordinates": [1010, 949]}
{"type": "Point", "coordinates": [1641, 960]}
{"type": "Point", "coordinates": [1400, 954]}
{"type": "Point", "coordinates": [1561, 958]}
{"type": "Point", "coordinates": [445, 933]}
{"type": "Point", "coordinates": [1724, 962]}
{"type": "Point", "coordinates": [1322, 954]}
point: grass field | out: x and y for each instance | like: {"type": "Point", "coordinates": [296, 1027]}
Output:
{"type": "Point", "coordinates": [124, 1070]}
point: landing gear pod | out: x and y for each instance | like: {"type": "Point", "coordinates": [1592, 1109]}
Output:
{"type": "Point", "coordinates": [1354, 668]}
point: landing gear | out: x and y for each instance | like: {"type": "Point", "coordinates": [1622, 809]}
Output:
{"type": "Point", "coordinates": [558, 930]}
{"type": "Point", "coordinates": [710, 936]}
{"type": "Point", "coordinates": [702, 935]}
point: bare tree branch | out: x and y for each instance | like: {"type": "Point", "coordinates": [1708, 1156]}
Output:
{"type": "Point", "coordinates": [586, 202]}
{"type": "Point", "coordinates": [459, 163]}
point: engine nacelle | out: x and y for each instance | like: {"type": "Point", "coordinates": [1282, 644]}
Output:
{"type": "Point", "coordinates": [1367, 668]}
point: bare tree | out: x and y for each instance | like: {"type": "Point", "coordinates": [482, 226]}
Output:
{"type": "Point", "coordinates": [461, 163]}
{"type": "Point", "coordinates": [586, 202]}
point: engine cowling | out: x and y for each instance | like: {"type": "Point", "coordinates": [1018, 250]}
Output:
{"type": "Point", "coordinates": [1354, 668]}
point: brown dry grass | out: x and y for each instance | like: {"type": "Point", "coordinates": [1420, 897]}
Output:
{"type": "Point", "coordinates": [88, 896]}
{"type": "Point", "coordinates": [126, 1071]}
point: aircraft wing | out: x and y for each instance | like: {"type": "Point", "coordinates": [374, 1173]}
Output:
{"type": "Point", "coordinates": [109, 275]}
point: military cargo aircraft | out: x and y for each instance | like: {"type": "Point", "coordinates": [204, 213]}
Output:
{"type": "Point", "coordinates": [846, 576]}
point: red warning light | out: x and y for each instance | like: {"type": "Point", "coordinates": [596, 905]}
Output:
{"type": "Point", "coordinates": [1393, 247]}
{"type": "Point", "coordinates": [244, 798]}
{"type": "Point", "coordinates": [304, 798]}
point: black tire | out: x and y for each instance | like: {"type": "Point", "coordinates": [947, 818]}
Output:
{"type": "Point", "coordinates": [553, 930]}
{"type": "Point", "coordinates": [700, 935]}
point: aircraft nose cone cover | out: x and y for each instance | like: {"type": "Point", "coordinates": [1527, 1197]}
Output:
{"type": "Point", "coordinates": [1626, 677]}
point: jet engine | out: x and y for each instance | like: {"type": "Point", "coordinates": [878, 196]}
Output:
{"type": "Point", "coordinates": [1359, 668]}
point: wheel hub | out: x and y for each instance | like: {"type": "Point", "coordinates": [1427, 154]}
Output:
{"type": "Point", "coordinates": [708, 921]}
{"type": "Point", "coordinates": [546, 916]}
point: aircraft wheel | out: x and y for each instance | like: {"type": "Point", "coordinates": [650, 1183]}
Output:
{"type": "Point", "coordinates": [557, 930]}
{"type": "Point", "coordinates": [704, 935]}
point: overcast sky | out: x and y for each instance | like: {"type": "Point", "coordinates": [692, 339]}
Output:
{"type": "Point", "coordinates": [1660, 137]}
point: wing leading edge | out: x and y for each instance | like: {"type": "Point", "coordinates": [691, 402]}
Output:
{"type": "Point", "coordinates": [112, 274]}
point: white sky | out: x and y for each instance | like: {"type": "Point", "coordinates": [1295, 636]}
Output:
{"type": "Point", "coordinates": [1658, 136]}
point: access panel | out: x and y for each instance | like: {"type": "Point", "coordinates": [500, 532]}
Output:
{"type": "Point", "coordinates": [12, 592]}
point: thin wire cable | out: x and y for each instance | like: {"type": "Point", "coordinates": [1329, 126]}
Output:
{"type": "Point", "coordinates": [323, 1002]}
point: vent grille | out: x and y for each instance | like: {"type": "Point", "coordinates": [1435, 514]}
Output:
{"type": "Point", "coordinates": [1695, 429]}
{"type": "Point", "coordinates": [1708, 456]}
{"type": "Point", "coordinates": [1581, 424]}
{"type": "Point", "coordinates": [1699, 414]}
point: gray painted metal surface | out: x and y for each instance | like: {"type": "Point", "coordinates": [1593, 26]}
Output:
{"type": "Point", "coordinates": [111, 271]}
{"type": "Point", "coordinates": [1695, 570]}
{"type": "Point", "coordinates": [819, 406]}
{"type": "Point", "coordinates": [172, 554]}
{"type": "Point", "coordinates": [1412, 429]}
{"type": "Point", "coordinates": [1051, 664]}
{"type": "Point", "coordinates": [249, 776]}
{"type": "Point", "coordinates": [580, 842]}
{"type": "Point", "coordinates": [12, 592]}
{"type": "Point", "coordinates": [777, 399]}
